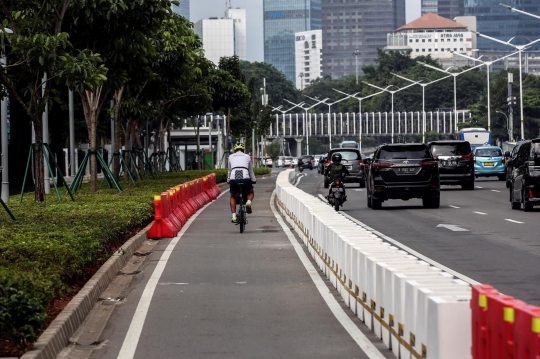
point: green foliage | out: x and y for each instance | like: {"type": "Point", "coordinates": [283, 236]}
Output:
{"type": "Point", "coordinates": [272, 150]}
{"type": "Point", "coordinates": [277, 85]}
{"type": "Point", "coordinates": [261, 171]}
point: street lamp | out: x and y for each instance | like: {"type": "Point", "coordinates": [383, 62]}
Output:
{"type": "Point", "coordinates": [520, 49]}
{"type": "Point", "coordinates": [513, 9]}
{"type": "Point", "coordinates": [329, 107]}
{"type": "Point", "coordinates": [3, 128]}
{"type": "Point", "coordinates": [356, 53]}
{"type": "Point", "coordinates": [455, 74]}
{"type": "Point", "coordinates": [510, 134]}
{"type": "Point", "coordinates": [391, 92]}
{"type": "Point", "coordinates": [301, 81]}
{"type": "Point", "coordinates": [423, 99]}
{"type": "Point", "coordinates": [360, 99]}
{"type": "Point", "coordinates": [306, 128]}
{"type": "Point", "coordinates": [488, 65]}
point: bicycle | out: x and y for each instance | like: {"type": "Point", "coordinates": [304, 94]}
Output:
{"type": "Point", "coordinates": [241, 212]}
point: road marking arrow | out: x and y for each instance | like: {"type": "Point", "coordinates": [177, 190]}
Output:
{"type": "Point", "coordinates": [453, 227]}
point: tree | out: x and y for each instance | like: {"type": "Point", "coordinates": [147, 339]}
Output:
{"type": "Point", "coordinates": [277, 85]}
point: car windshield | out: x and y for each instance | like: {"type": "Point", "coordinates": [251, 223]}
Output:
{"type": "Point", "coordinates": [488, 152]}
{"type": "Point", "coordinates": [348, 155]}
{"type": "Point", "coordinates": [404, 153]}
{"type": "Point", "coordinates": [288, 159]}
{"type": "Point", "coordinates": [451, 149]}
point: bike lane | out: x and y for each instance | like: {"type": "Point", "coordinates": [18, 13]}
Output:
{"type": "Point", "coordinates": [228, 295]}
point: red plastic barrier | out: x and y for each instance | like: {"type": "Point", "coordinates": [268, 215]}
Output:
{"type": "Point", "coordinates": [204, 190]}
{"type": "Point", "coordinates": [166, 200]}
{"type": "Point", "coordinates": [162, 227]}
{"type": "Point", "coordinates": [216, 188]}
{"type": "Point", "coordinates": [182, 205]}
{"type": "Point", "coordinates": [527, 332]}
{"type": "Point", "coordinates": [479, 313]}
{"type": "Point", "coordinates": [174, 208]}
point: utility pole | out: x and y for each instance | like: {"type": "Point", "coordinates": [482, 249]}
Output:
{"type": "Point", "coordinates": [511, 101]}
{"type": "Point", "coordinates": [356, 53]}
{"type": "Point", "coordinates": [45, 120]}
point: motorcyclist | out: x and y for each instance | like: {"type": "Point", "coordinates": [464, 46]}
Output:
{"type": "Point", "coordinates": [300, 163]}
{"type": "Point", "coordinates": [336, 171]}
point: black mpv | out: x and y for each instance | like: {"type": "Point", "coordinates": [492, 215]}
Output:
{"type": "Point", "coordinates": [525, 176]}
{"type": "Point", "coordinates": [403, 171]}
{"type": "Point", "coordinates": [456, 162]}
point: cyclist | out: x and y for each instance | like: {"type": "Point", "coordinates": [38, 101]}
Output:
{"type": "Point", "coordinates": [336, 171]}
{"type": "Point", "coordinates": [240, 171]}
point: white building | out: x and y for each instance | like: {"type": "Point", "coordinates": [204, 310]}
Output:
{"type": "Point", "coordinates": [217, 36]}
{"type": "Point", "coordinates": [308, 57]}
{"type": "Point", "coordinates": [240, 31]}
{"type": "Point", "coordinates": [436, 36]}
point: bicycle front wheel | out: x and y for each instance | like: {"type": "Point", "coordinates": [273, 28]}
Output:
{"type": "Point", "coordinates": [242, 219]}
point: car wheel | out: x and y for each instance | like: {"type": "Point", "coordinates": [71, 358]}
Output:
{"type": "Point", "coordinates": [368, 200]}
{"type": "Point", "coordinates": [468, 186]}
{"type": "Point", "coordinates": [502, 178]}
{"type": "Point", "coordinates": [515, 205]}
{"type": "Point", "coordinates": [362, 184]}
{"type": "Point", "coordinates": [376, 203]}
{"type": "Point", "coordinates": [326, 183]}
{"type": "Point", "coordinates": [429, 202]}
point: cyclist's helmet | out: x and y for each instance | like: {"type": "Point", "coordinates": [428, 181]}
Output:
{"type": "Point", "coordinates": [336, 157]}
{"type": "Point", "coordinates": [239, 146]}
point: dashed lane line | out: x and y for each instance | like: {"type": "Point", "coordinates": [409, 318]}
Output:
{"type": "Point", "coordinates": [479, 187]}
{"type": "Point", "coordinates": [511, 220]}
{"type": "Point", "coordinates": [482, 213]}
{"type": "Point", "coordinates": [494, 190]}
{"type": "Point", "coordinates": [453, 206]}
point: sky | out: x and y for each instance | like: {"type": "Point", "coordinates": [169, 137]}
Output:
{"type": "Point", "coordinates": [203, 9]}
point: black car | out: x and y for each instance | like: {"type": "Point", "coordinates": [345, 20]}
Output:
{"type": "Point", "coordinates": [510, 161]}
{"type": "Point", "coordinates": [403, 171]}
{"type": "Point", "coordinates": [352, 160]}
{"type": "Point", "coordinates": [456, 162]}
{"type": "Point", "coordinates": [525, 177]}
{"type": "Point", "coordinates": [307, 161]}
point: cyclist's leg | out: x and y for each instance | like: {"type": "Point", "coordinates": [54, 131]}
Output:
{"type": "Point", "coordinates": [232, 201]}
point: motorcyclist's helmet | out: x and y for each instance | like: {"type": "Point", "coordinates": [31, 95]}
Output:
{"type": "Point", "coordinates": [336, 158]}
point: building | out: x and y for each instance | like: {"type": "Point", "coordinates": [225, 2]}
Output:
{"type": "Point", "coordinates": [308, 57]}
{"type": "Point", "coordinates": [436, 36]}
{"type": "Point", "coordinates": [498, 22]}
{"type": "Point", "coordinates": [282, 20]}
{"type": "Point", "coordinates": [349, 25]}
{"type": "Point", "coordinates": [183, 9]}
{"type": "Point", "coordinates": [217, 36]}
{"type": "Point", "coordinates": [445, 8]}
{"type": "Point", "coordinates": [240, 31]}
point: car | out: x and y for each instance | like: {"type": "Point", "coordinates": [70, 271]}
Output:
{"type": "Point", "coordinates": [489, 161]}
{"type": "Point", "coordinates": [403, 171]}
{"type": "Point", "coordinates": [308, 160]}
{"type": "Point", "coordinates": [509, 163]}
{"type": "Point", "coordinates": [280, 161]}
{"type": "Point", "coordinates": [267, 161]}
{"type": "Point", "coordinates": [294, 161]}
{"type": "Point", "coordinates": [316, 159]}
{"type": "Point", "coordinates": [525, 179]}
{"type": "Point", "coordinates": [456, 163]}
{"type": "Point", "coordinates": [322, 164]}
{"type": "Point", "coordinates": [287, 161]}
{"type": "Point", "coordinates": [352, 159]}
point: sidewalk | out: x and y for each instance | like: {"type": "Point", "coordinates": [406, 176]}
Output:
{"type": "Point", "coordinates": [227, 295]}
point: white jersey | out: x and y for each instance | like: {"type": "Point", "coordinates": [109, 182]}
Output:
{"type": "Point", "coordinates": [240, 167]}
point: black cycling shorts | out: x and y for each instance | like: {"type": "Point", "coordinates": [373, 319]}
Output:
{"type": "Point", "coordinates": [234, 188]}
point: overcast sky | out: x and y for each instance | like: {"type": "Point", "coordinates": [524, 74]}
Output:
{"type": "Point", "coordinates": [203, 9]}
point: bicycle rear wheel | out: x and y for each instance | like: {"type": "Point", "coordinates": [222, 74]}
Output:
{"type": "Point", "coordinates": [242, 219]}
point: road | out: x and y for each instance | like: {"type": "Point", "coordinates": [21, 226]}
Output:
{"type": "Point", "coordinates": [475, 233]}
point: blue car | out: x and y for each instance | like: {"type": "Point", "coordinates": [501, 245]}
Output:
{"type": "Point", "coordinates": [489, 161]}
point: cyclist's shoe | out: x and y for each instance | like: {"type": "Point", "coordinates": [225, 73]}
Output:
{"type": "Point", "coordinates": [248, 207]}
{"type": "Point", "coordinates": [234, 220]}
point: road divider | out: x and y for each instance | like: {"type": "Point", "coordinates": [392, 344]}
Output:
{"type": "Point", "coordinates": [417, 309]}
{"type": "Point", "coordinates": [174, 207]}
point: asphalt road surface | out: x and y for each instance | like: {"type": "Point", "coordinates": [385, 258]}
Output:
{"type": "Point", "coordinates": [475, 233]}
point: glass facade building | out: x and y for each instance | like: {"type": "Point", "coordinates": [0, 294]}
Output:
{"type": "Point", "coordinates": [348, 25]}
{"type": "Point", "coordinates": [449, 9]}
{"type": "Point", "coordinates": [183, 9]}
{"type": "Point", "coordinates": [498, 22]}
{"type": "Point", "coordinates": [282, 19]}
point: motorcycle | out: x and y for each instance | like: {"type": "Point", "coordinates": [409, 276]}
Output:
{"type": "Point", "coordinates": [300, 167]}
{"type": "Point", "coordinates": [337, 196]}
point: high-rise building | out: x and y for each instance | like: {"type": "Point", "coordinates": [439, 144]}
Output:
{"type": "Point", "coordinates": [445, 8]}
{"type": "Point", "coordinates": [498, 22]}
{"type": "Point", "coordinates": [183, 9]}
{"type": "Point", "coordinates": [351, 25]}
{"type": "Point", "coordinates": [282, 19]}
{"type": "Point", "coordinates": [240, 31]}
{"type": "Point", "coordinates": [308, 54]}
{"type": "Point", "coordinates": [217, 36]}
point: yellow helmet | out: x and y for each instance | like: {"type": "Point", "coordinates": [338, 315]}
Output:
{"type": "Point", "coordinates": [239, 146]}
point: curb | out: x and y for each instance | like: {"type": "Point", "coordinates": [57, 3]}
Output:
{"type": "Point", "coordinates": [56, 336]}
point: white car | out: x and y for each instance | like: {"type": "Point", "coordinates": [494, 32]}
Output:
{"type": "Point", "coordinates": [279, 162]}
{"type": "Point", "coordinates": [287, 161]}
{"type": "Point", "coordinates": [294, 161]}
{"type": "Point", "coordinates": [268, 162]}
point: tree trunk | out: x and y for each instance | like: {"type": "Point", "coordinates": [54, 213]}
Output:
{"type": "Point", "coordinates": [92, 103]}
{"type": "Point", "coordinates": [117, 132]}
{"type": "Point", "coordinates": [39, 164]}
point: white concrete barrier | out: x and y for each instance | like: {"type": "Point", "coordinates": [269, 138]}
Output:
{"type": "Point", "coordinates": [407, 302]}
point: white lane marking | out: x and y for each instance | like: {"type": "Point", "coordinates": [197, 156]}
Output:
{"type": "Point", "coordinates": [358, 190]}
{"type": "Point", "coordinates": [479, 187]}
{"type": "Point", "coordinates": [453, 227]}
{"type": "Point", "coordinates": [482, 213]}
{"type": "Point", "coordinates": [494, 190]}
{"type": "Point", "coordinates": [135, 328]}
{"type": "Point", "coordinates": [410, 250]}
{"type": "Point", "coordinates": [169, 283]}
{"type": "Point", "coordinates": [363, 342]}
{"type": "Point", "coordinates": [299, 178]}
{"type": "Point", "coordinates": [511, 220]}
{"type": "Point", "coordinates": [241, 282]}
{"type": "Point", "coordinates": [453, 206]}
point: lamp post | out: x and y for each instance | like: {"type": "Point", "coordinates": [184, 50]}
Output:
{"type": "Point", "coordinates": [284, 112]}
{"type": "Point", "coordinates": [513, 9]}
{"type": "Point", "coordinates": [488, 65]}
{"type": "Point", "coordinates": [329, 108]}
{"type": "Point", "coordinates": [3, 129]}
{"type": "Point", "coordinates": [507, 126]}
{"type": "Point", "coordinates": [301, 81]}
{"type": "Point", "coordinates": [455, 74]}
{"type": "Point", "coordinates": [360, 99]}
{"type": "Point", "coordinates": [423, 99]}
{"type": "Point", "coordinates": [520, 49]}
{"type": "Point", "coordinates": [356, 53]}
{"type": "Point", "coordinates": [391, 92]}
{"type": "Point", "coordinates": [307, 128]}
